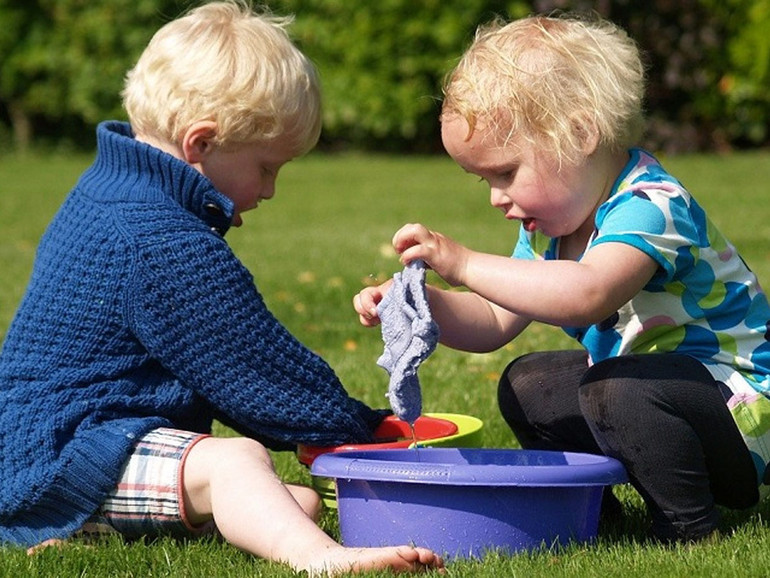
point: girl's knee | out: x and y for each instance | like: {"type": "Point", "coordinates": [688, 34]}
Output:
{"type": "Point", "coordinates": [509, 394]}
{"type": "Point", "coordinates": [605, 402]}
{"type": "Point", "coordinates": [618, 382]}
{"type": "Point", "coordinates": [518, 377]}
{"type": "Point", "coordinates": [523, 365]}
{"type": "Point", "coordinates": [530, 377]}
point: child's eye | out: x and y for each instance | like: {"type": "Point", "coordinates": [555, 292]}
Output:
{"type": "Point", "coordinates": [508, 175]}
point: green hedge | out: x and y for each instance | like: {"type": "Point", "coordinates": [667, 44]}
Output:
{"type": "Point", "coordinates": [382, 63]}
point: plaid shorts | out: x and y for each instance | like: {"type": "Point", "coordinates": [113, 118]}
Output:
{"type": "Point", "coordinates": [148, 499]}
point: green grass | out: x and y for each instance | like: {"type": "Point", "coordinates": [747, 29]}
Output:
{"type": "Point", "coordinates": [323, 237]}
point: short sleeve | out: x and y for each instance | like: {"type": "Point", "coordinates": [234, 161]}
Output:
{"type": "Point", "coordinates": [662, 222]}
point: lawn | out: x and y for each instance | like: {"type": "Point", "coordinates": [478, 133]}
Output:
{"type": "Point", "coordinates": [311, 248]}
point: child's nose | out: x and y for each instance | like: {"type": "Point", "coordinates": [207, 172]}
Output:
{"type": "Point", "coordinates": [497, 197]}
{"type": "Point", "coordinates": [268, 189]}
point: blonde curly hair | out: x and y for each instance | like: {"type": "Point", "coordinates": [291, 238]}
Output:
{"type": "Point", "coordinates": [553, 81]}
{"type": "Point", "coordinates": [224, 62]}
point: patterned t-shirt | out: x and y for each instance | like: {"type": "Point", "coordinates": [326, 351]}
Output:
{"type": "Point", "coordinates": [703, 300]}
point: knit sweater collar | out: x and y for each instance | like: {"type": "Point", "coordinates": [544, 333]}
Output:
{"type": "Point", "coordinates": [135, 168]}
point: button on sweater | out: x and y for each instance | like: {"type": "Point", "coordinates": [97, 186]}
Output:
{"type": "Point", "coordinates": [138, 315]}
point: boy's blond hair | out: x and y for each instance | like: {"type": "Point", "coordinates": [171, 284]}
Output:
{"type": "Point", "coordinates": [225, 63]}
{"type": "Point", "coordinates": [552, 81]}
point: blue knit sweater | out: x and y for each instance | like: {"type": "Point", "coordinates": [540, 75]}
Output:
{"type": "Point", "coordinates": [138, 315]}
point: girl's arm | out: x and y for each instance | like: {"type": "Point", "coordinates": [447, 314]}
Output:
{"type": "Point", "coordinates": [469, 322]}
{"type": "Point", "coordinates": [563, 293]}
{"type": "Point", "coordinates": [507, 293]}
{"type": "Point", "coordinates": [466, 320]}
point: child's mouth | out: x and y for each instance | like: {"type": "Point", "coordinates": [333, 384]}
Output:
{"type": "Point", "coordinates": [529, 224]}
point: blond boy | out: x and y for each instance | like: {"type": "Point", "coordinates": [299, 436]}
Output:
{"type": "Point", "coordinates": [140, 326]}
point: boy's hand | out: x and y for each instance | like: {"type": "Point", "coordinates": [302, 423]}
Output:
{"type": "Point", "coordinates": [445, 256]}
{"type": "Point", "coordinates": [365, 303]}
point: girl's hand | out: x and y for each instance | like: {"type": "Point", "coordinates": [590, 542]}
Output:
{"type": "Point", "coordinates": [365, 303]}
{"type": "Point", "coordinates": [445, 256]}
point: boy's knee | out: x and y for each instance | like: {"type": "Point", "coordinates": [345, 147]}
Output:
{"type": "Point", "coordinates": [245, 448]}
{"type": "Point", "coordinates": [219, 454]}
{"type": "Point", "coordinates": [212, 460]}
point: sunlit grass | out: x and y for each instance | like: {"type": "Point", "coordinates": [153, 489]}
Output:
{"type": "Point", "coordinates": [324, 236]}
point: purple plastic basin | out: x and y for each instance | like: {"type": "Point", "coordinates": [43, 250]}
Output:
{"type": "Point", "coordinates": [465, 502]}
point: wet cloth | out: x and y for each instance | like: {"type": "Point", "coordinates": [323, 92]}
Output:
{"type": "Point", "coordinates": [410, 336]}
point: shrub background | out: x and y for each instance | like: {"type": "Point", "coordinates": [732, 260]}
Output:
{"type": "Point", "coordinates": [382, 62]}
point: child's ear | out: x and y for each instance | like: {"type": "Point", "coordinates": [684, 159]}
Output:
{"type": "Point", "coordinates": [198, 141]}
{"type": "Point", "coordinates": [587, 133]}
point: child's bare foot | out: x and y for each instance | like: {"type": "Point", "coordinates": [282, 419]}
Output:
{"type": "Point", "coordinates": [397, 558]}
{"type": "Point", "coordinates": [43, 545]}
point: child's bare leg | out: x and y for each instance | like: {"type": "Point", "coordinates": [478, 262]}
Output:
{"type": "Point", "coordinates": [307, 498]}
{"type": "Point", "coordinates": [233, 480]}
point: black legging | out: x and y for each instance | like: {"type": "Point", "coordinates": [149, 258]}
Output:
{"type": "Point", "coordinates": [662, 415]}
